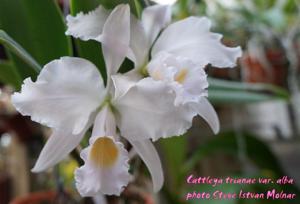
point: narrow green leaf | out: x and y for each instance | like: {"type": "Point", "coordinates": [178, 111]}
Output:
{"type": "Point", "coordinates": [9, 75]}
{"type": "Point", "coordinates": [236, 97]}
{"type": "Point", "coordinates": [14, 47]}
{"type": "Point", "coordinates": [258, 87]}
{"type": "Point", "coordinates": [174, 151]}
{"type": "Point", "coordinates": [135, 5]}
{"type": "Point", "coordinates": [38, 26]}
{"type": "Point", "coordinates": [222, 91]}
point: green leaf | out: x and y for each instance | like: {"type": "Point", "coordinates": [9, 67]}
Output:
{"type": "Point", "coordinates": [90, 50]}
{"type": "Point", "coordinates": [258, 87]}
{"type": "Point", "coordinates": [227, 143]}
{"type": "Point", "coordinates": [15, 48]}
{"type": "Point", "coordinates": [9, 75]}
{"type": "Point", "coordinates": [222, 91]}
{"type": "Point", "coordinates": [174, 155]}
{"type": "Point", "coordinates": [135, 5]}
{"type": "Point", "coordinates": [263, 5]}
{"type": "Point", "coordinates": [235, 97]}
{"type": "Point", "coordinates": [291, 7]}
{"type": "Point", "coordinates": [38, 26]}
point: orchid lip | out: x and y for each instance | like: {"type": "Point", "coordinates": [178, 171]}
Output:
{"type": "Point", "coordinates": [181, 76]}
{"type": "Point", "coordinates": [104, 153]}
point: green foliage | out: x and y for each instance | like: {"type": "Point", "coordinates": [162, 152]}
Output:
{"type": "Point", "coordinates": [222, 91]}
{"type": "Point", "coordinates": [135, 5]}
{"type": "Point", "coordinates": [9, 75]}
{"type": "Point", "coordinates": [263, 5]}
{"type": "Point", "coordinates": [19, 51]}
{"type": "Point", "coordinates": [291, 6]}
{"type": "Point", "coordinates": [227, 143]}
{"type": "Point", "coordinates": [256, 151]}
{"type": "Point", "coordinates": [38, 27]}
{"type": "Point", "coordinates": [235, 97]}
{"type": "Point", "coordinates": [174, 151]}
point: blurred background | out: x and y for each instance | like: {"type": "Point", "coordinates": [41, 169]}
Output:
{"type": "Point", "coordinates": [258, 103]}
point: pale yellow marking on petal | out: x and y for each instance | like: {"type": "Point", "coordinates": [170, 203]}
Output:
{"type": "Point", "coordinates": [104, 152]}
{"type": "Point", "coordinates": [157, 75]}
{"type": "Point", "coordinates": [180, 77]}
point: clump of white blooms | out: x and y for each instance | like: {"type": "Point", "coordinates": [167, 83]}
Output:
{"type": "Point", "coordinates": [158, 98]}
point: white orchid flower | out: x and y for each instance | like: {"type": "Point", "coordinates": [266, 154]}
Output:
{"type": "Point", "coordinates": [133, 98]}
{"type": "Point", "coordinates": [101, 25]}
{"type": "Point", "coordinates": [190, 38]}
{"type": "Point", "coordinates": [90, 26]}
{"type": "Point", "coordinates": [187, 79]}
{"type": "Point", "coordinates": [175, 91]}
{"type": "Point", "coordinates": [178, 56]}
{"type": "Point", "coordinates": [69, 96]}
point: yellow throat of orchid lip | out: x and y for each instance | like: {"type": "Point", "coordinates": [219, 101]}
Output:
{"type": "Point", "coordinates": [156, 75]}
{"type": "Point", "coordinates": [180, 77]}
{"type": "Point", "coordinates": [104, 152]}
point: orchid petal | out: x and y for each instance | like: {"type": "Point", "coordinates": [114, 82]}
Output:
{"type": "Point", "coordinates": [143, 33]}
{"type": "Point", "coordinates": [154, 19]}
{"type": "Point", "coordinates": [58, 146]}
{"type": "Point", "coordinates": [87, 26]}
{"type": "Point", "coordinates": [115, 38]}
{"type": "Point", "coordinates": [197, 43]}
{"type": "Point", "coordinates": [147, 110]}
{"type": "Point", "coordinates": [188, 80]}
{"type": "Point", "coordinates": [64, 95]}
{"type": "Point", "coordinates": [100, 122]}
{"type": "Point", "coordinates": [189, 83]}
{"type": "Point", "coordinates": [208, 113]}
{"type": "Point", "coordinates": [94, 178]}
{"type": "Point", "coordinates": [149, 155]}
{"type": "Point", "coordinates": [139, 44]}
{"type": "Point", "coordinates": [122, 83]}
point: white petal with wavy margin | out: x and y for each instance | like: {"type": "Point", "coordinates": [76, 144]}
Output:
{"type": "Point", "coordinates": [64, 95]}
{"type": "Point", "coordinates": [191, 38]}
{"type": "Point", "coordinates": [147, 110]}
{"type": "Point", "coordinates": [87, 26]}
{"type": "Point", "coordinates": [92, 179]}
